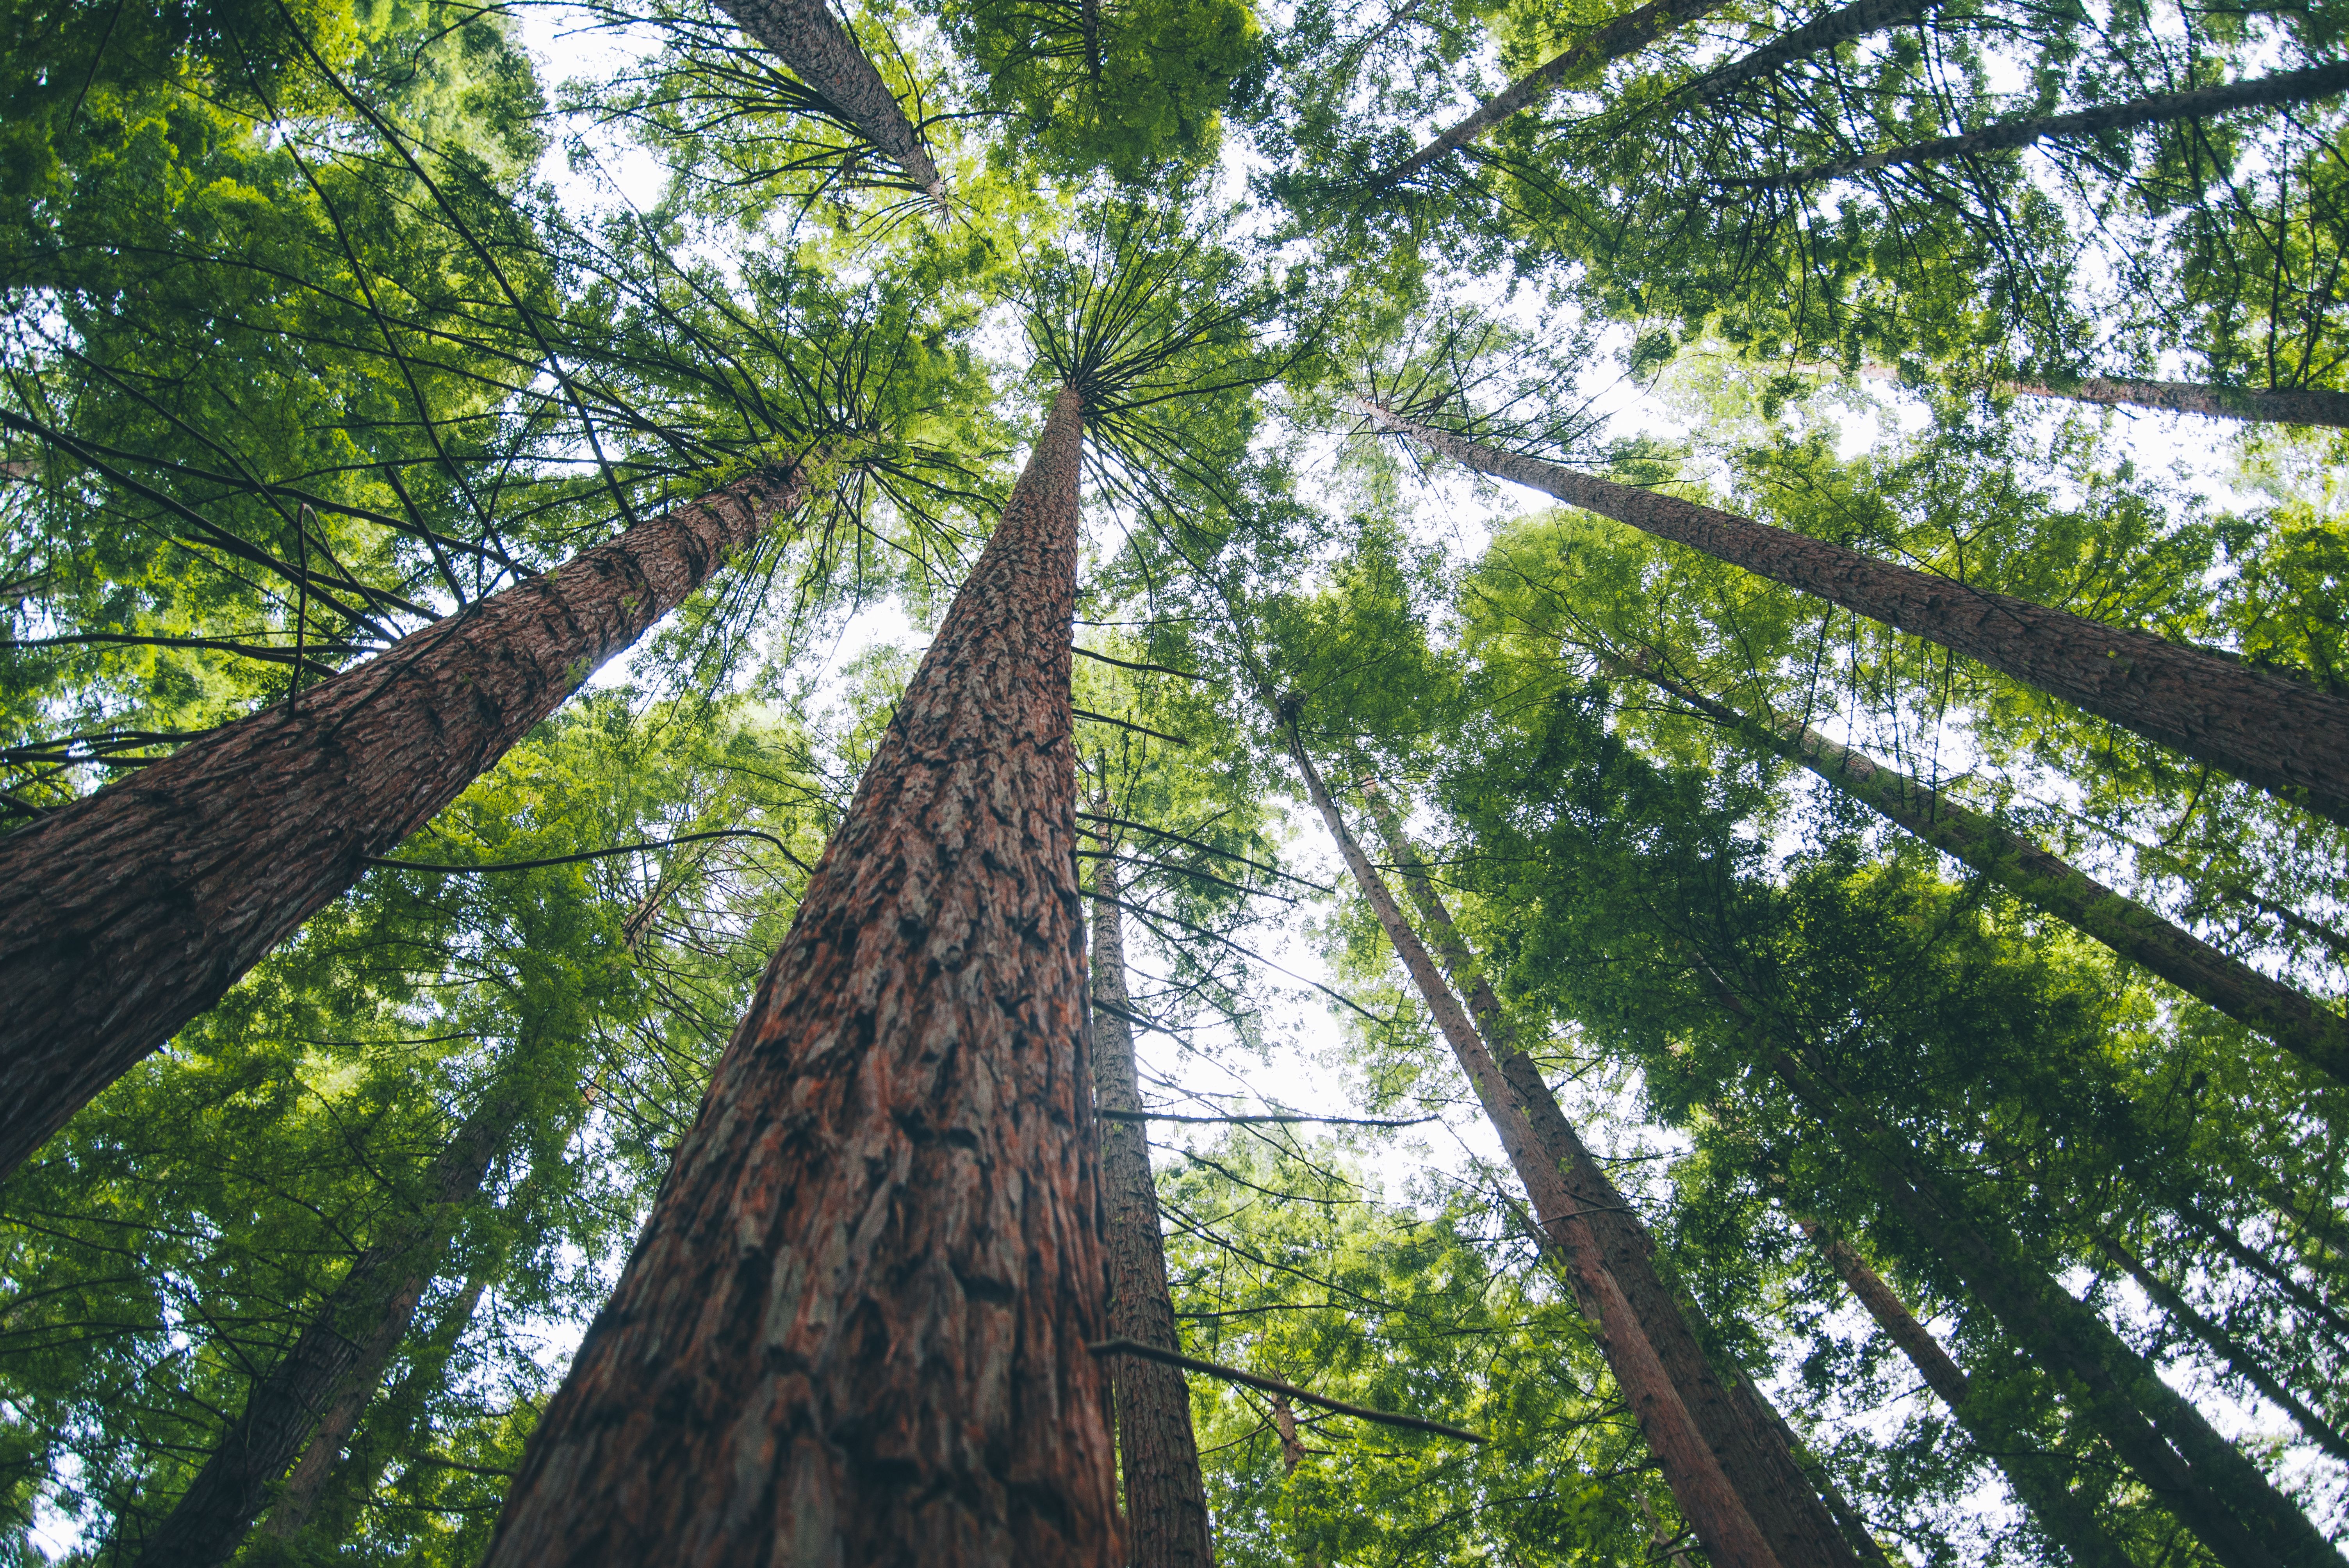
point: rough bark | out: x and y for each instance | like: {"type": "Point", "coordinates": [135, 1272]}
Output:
{"type": "Point", "coordinates": [806, 37]}
{"type": "Point", "coordinates": [1165, 1501]}
{"type": "Point", "coordinates": [2273, 732]}
{"type": "Point", "coordinates": [1707, 1500]}
{"type": "Point", "coordinates": [1626, 35]}
{"type": "Point", "coordinates": [2048, 882]}
{"type": "Point", "coordinates": [2289, 86]}
{"type": "Point", "coordinates": [357, 1328]}
{"type": "Point", "coordinates": [2271, 405]}
{"type": "Point", "coordinates": [1745, 1434]}
{"type": "Point", "coordinates": [125, 914]}
{"type": "Point", "coordinates": [1846, 24]}
{"type": "Point", "coordinates": [853, 1328]}
{"type": "Point", "coordinates": [2239, 1357]}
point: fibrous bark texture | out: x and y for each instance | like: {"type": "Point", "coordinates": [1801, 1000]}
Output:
{"type": "Point", "coordinates": [2272, 404]}
{"type": "Point", "coordinates": [127, 913]}
{"type": "Point", "coordinates": [2288, 86]}
{"type": "Point", "coordinates": [1165, 1501]}
{"type": "Point", "coordinates": [357, 1328]}
{"type": "Point", "coordinates": [1626, 35]}
{"type": "Point", "coordinates": [1691, 1468]}
{"type": "Point", "coordinates": [853, 1329]}
{"type": "Point", "coordinates": [2276, 734]}
{"type": "Point", "coordinates": [806, 37]}
{"type": "Point", "coordinates": [1860, 19]}
{"type": "Point", "coordinates": [2051, 884]}
{"type": "Point", "coordinates": [1745, 1434]}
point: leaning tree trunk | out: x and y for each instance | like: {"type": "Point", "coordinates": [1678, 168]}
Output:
{"type": "Point", "coordinates": [1165, 1500]}
{"type": "Point", "coordinates": [1844, 25]}
{"type": "Point", "coordinates": [357, 1328]}
{"type": "Point", "coordinates": [2250, 1257]}
{"type": "Point", "coordinates": [1683, 1450]}
{"type": "Point", "coordinates": [2068, 1521]}
{"type": "Point", "coordinates": [806, 37]}
{"type": "Point", "coordinates": [854, 1328]}
{"type": "Point", "coordinates": [2315, 1034]}
{"type": "Point", "coordinates": [2269, 405]}
{"type": "Point", "coordinates": [127, 913]}
{"type": "Point", "coordinates": [2271, 732]}
{"type": "Point", "coordinates": [1745, 1433]}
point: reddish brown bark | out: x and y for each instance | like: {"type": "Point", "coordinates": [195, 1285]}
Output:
{"type": "Point", "coordinates": [1158, 1453]}
{"type": "Point", "coordinates": [806, 37]}
{"type": "Point", "coordinates": [1745, 1434]}
{"type": "Point", "coordinates": [2316, 1035]}
{"type": "Point", "coordinates": [1707, 1500]}
{"type": "Point", "coordinates": [2271, 405]}
{"type": "Point", "coordinates": [127, 913]}
{"type": "Point", "coordinates": [2268, 731]}
{"type": "Point", "coordinates": [357, 1328]}
{"type": "Point", "coordinates": [853, 1329]}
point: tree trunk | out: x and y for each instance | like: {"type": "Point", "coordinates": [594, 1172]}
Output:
{"type": "Point", "coordinates": [1707, 1500]}
{"type": "Point", "coordinates": [1165, 1501]}
{"type": "Point", "coordinates": [1626, 35]}
{"type": "Point", "coordinates": [1860, 19]}
{"type": "Point", "coordinates": [806, 37]}
{"type": "Point", "coordinates": [127, 913]}
{"type": "Point", "coordinates": [853, 1329]}
{"type": "Point", "coordinates": [2068, 1521]}
{"type": "Point", "coordinates": [1745, 1434]}
{"type": "Point", "coordinates": [2271, 732]}
{"type": "Point", "coordinates": [2250, 1257]}
{"type": "Point", "coordinates": [2238, 1357]}
{"type": "Point", "coordinates": [357, 1328]}
{"type": "Point", "coordinates": [2290, 87]}
{"type": "Point", "coordinates": [2272, 404]}
{"type": "Point", "coordinates": [2315, 1034]}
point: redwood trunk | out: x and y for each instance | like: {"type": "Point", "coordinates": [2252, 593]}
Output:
{"type": "Point", "coordinates": [853, 1328]}
{"type": "Point", "coordinates": [356, 1330]}
{"type": "Point", "coordinates": [2271, 732]}
{"type": "Point", "coordinates": [2285, 1015]}
{"type": "Point", "coordinates": [1745, 1433]}
{"type": "Point", "coordinates": [1707, 1500]}
{"type": "Point", "coordinates": [2260, 1263]}
{"type": "Point", "coordinates": [127, 913]}
{"type": "Point", "coordinates": [1165, 1501]}
{"type": "Point", "coordinates": [2272, 404]}
{"type": "Point", "coordinates": [1846, 24]}
{"type": "Point", "coordinates": [805, 34]}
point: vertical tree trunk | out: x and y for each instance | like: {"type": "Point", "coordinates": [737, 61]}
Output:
{"type": "Point", "coordinates": [1744, 1432]}
{"type": "Point", "coordinates": [853, 1328]}
{"type": "Point", "coordinates": [2274, 733]}
{"type": "Point", "coordinates": [2068, 1521]}
{"type": "Point", "coordinates": [356, 1330]}
{"type": "Point", "coordinates": [1707, 1500]}
{"type": "Point", "coordinates": [2317, 1035]}
{"type": "Point", "coordinates": [805, 34]}
{"type": "Point", "coordinates": [125, 914]}
{"type": "Point", "coordinates": [1165, 1501]}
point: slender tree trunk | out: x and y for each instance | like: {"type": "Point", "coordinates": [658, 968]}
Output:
{"type": "Point", "coordinates": [357, 1328]}
{"type": "Point", "coordinates": [1846, 24]}
{"type": "Point", "coordinates": [2269, 405]}
{"type": "Point", "coordinates": [2271, 732]}
{"type": "Point", "coordinates": [2290, 87]}
{"type": "Point", "coordinates": [1626, 35]}
{"type": "Point", "coordinates": [853, 1329]}
{"type": "Point", "coordinates": [1707, 1500]}
{"type": "Point", "coordinates": [2315, 1034]}
{"type": "Point", "coordinates": [1165, 1501]}
{"type": "Point", "coordinates": [2238, 1357]}
{"type": "Point", "coordinates": [2068, 1521]}
{"type": "Point", "coordinates": [127, 913]}
{"type": "Point", "coordinates": [806, 37]}
{"type": "Point", "coordinates": [2250, 1257]}
{"type": "Point", "coordinates": [1746, 1435]}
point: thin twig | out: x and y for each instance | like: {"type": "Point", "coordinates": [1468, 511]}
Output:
{"type": "Point", "coordinates": [1218, 1121]}
{"type": "Point", "coordinates": [1274, 1385]}
{"type": "Point", "coordinates": [593, 854]}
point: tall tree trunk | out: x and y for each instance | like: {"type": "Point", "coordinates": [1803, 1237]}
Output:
{"type": "Point", "coordinates": [356, 1329]}
{"type": "Point", "coordinates": [2289, 86]}
{"type": "Point", "coordinates": [2239, 1357]}
{"type": "Point", "coordinates": [1746, 1435]}
{"type": "Point", "coordinates": [2069, 1522]}
{"type": "Point", "coordinates": [2272, 404]}
{"type": "Point", "coordinates": [1626, 35]}
{"type": "Point", "coordinates": [2260, 1263]}
{"type": "Point", "coordinates": [806, 37]}
{"type": "Point", "coordinates": [2315, 1034]}
{"type": "Point", "coordinates": [1165, 1500]}
{"type": "Point", "coordinates": [2271, 732]}
{"type": "Point", "coordinates": [126, 914]}
{"type": "Point", "coordinates": [1844, 25]}
{"type": "Point", "coordinates": [1707, 1500]}
{"type": "Point", "coordinates": [854, 1328]}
